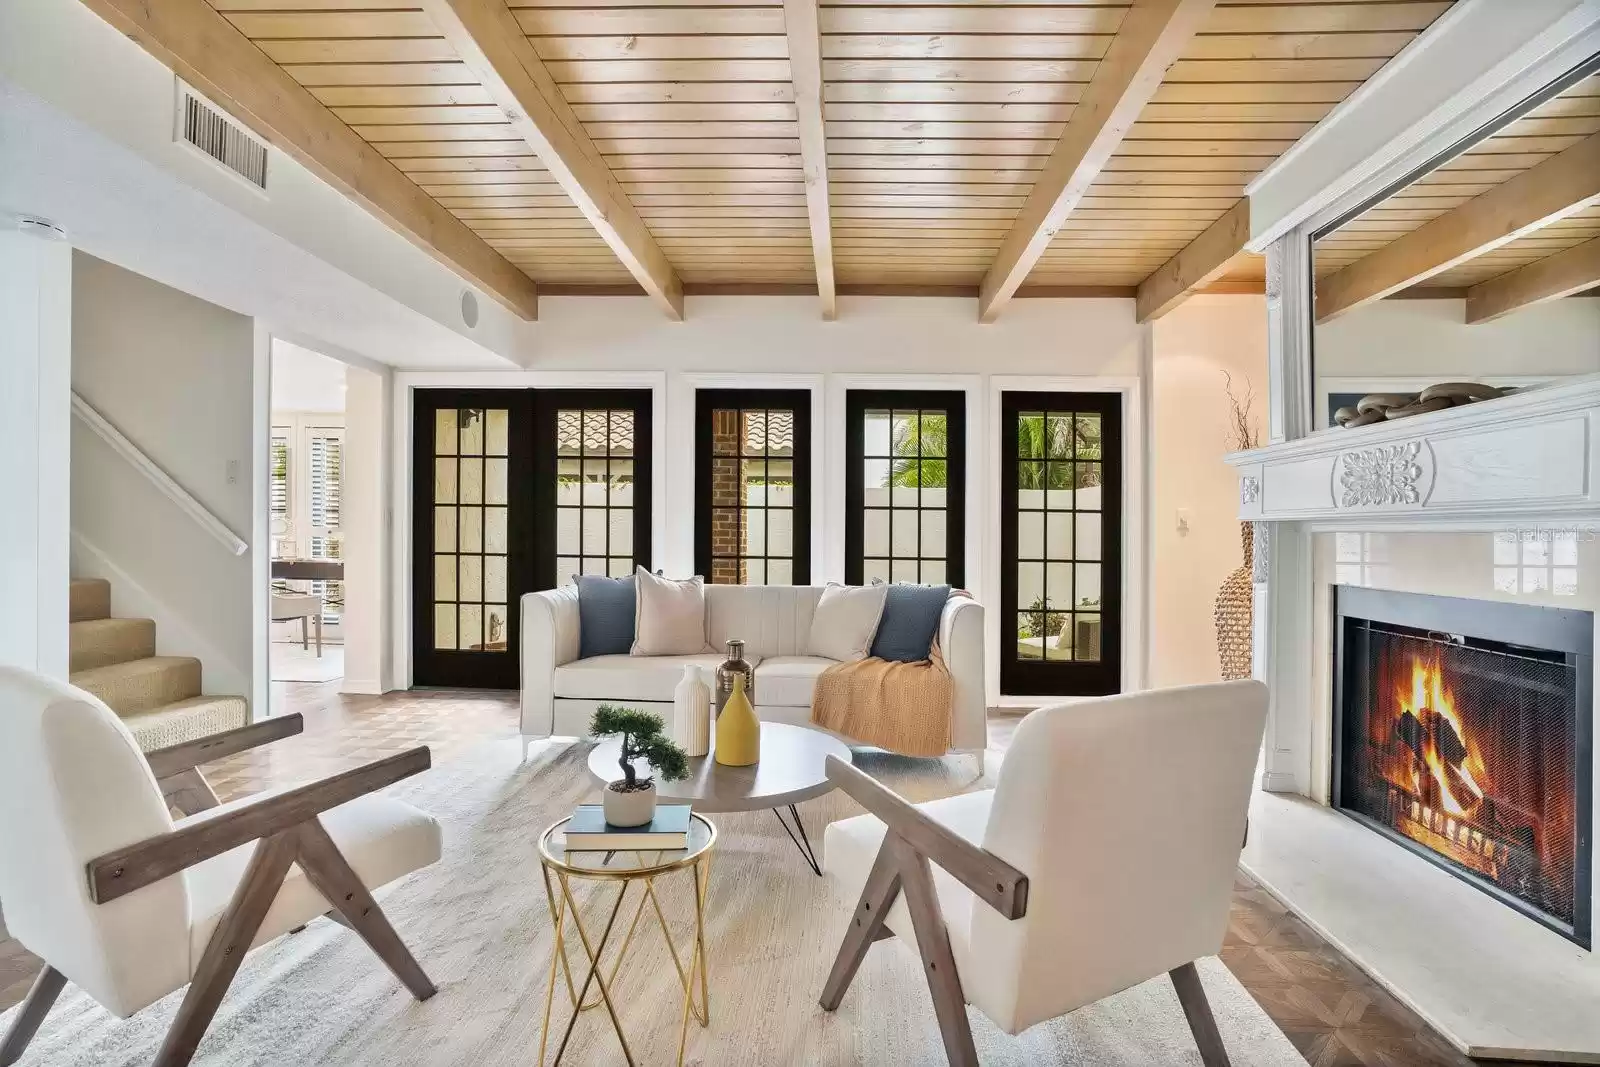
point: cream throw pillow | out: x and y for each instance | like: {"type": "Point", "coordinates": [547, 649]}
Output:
{"type": "Point", "coordinates": [670, 616]}
{"type": "Point", "coordinates": [846, 621]}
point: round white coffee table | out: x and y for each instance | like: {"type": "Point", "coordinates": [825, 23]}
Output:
{"type": "Point", "coordinates": [792, 768]}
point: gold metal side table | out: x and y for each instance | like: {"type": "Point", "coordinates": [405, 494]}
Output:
{"type": "Point", "coordinates": [560, 867]}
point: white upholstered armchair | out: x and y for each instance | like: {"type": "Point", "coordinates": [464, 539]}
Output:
{"type": "Point", "coordinates": [1103, 857]}
{"type": "Point", "coordinates": [98, 880]}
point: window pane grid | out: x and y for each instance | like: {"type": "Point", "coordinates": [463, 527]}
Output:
{"type": "Point", "coordinates": [753, 483]}
{"type": "Point", "coordinates": [905, 462]}
{"type": "Point", "coordinates": [1059, 478]}
{"type": "Point", "coordinates": [471, 452]}
{"type": "Point", "coordinates": [595, 506]}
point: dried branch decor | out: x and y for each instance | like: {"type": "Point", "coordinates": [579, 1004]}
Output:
{"type": "Point", "coordinates": [1234, 611]}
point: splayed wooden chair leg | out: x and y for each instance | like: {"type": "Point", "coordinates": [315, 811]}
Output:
{"type": "Point", "coordinates": [1203, 1024]}
{"type": "Point", "coordinates": [41, 998]}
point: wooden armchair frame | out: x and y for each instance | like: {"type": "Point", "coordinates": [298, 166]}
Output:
{"type": "Point", "coordinates": [911, 843]}
{"type": "Point", "coordinates": [288, 830]}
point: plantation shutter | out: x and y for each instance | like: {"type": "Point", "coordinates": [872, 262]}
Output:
{"type": "Point", "coordinates": [325, 477]}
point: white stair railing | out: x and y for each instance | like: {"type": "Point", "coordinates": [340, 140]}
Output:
{"type": "Point", "coordinates": [158, 477]}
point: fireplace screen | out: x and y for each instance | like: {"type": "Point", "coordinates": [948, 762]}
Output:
{"type": "Point", "coordinates": [1473, 752]}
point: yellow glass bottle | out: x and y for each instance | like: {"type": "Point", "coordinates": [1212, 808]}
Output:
{"type": "Point", "coordinates": [738, 729]}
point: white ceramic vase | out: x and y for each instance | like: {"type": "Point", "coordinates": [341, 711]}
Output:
{"type": "Point", "coordinates": [691, 713]}
{"type": "Point", "coordinates": [630, 809]}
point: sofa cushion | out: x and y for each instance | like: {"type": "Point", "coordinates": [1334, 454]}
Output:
{"type": "Point", "coordinates": [846, 621]}
{"type": "Point", "coordinates": [671, 615]}
{"type": "Point", "coordinates": [910, 620]}
{"type": "Point", "coordinates": [606, 608]}
{"type": "Point", "coordinates": [622, 678]}
{"type": "Point", "coordinates": [771, 620]}
{"type": "Point", "coordinates": [788, 681]}
{"type": "Point", "coordinates": [382, 838]}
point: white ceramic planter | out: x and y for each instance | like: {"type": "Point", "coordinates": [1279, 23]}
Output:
{"type": "Point", "coordinates": [630, 809]}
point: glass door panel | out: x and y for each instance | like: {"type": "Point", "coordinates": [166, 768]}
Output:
{"type": "Point", "coordinates": [905, 487]}
{"type": "Point", "coordinates": [1060, 526]}
{"type": "Point", "coordinates": [465, 555]}
{"type": "Point", "coordinates": [753, 486]}
{"type": "Point", "coordinates": [592, 488]}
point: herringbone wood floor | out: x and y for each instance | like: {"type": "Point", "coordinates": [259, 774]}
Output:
{"type": "Point", "coordinates": [1333, 1013]}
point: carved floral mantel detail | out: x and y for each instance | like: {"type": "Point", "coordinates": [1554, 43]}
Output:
{"type": "Point", "coordinates": [1387, 474]}
{"type": "Point", "coordinates": [1249, 490]}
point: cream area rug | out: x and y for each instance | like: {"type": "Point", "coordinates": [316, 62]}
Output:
{"type": "Point", "coordinates": [478, 923]}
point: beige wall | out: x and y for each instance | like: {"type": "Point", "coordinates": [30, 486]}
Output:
{"type": "Point", "coordinates": [1195, 348]}
{"type": "Point", "coordinates": [176, 375]}
{"type": "Point", "coordinates": [1431, 339]}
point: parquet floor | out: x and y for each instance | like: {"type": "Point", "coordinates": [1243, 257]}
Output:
{"type": "Point", "coordinates": [1333, 1013]}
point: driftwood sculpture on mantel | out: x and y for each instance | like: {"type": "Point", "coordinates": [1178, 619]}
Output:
{"type": "Point", "coordinates": [1379, 407]}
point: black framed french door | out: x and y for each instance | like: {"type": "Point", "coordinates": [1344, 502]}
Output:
{"type": "Point", "coordinates": [905, 486]}
{"type": "Point", "coordinates": [752, 521]}
{"type": "Point", "coordinates": [1060, 543]}
{"type": "Point", "coordinates": [515, 490]}
{"type": "Point", "coordinates": [592, 483]}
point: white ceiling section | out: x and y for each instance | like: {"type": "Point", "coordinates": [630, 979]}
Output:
{"type": "Point", "coordinates": [96, 156]}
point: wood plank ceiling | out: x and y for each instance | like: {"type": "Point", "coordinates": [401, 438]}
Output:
{"type": "Point", "coordinates": [1544, 132]}
{"type": "Point", "coordinates": [938, 119]}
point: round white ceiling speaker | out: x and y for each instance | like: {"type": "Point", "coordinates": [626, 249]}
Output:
{"type": "Point", "coordinates": [469, 308]}
{"type": "Point", "coordinates": [38, 227]}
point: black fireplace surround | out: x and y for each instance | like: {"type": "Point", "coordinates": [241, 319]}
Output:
{"type": "Point", "coordinates": [1462, 731]}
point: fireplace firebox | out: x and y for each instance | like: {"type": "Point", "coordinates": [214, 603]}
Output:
{"type": "Point", "coordinates": [1462, 731]}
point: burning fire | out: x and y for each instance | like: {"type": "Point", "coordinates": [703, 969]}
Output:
{"type": "Point", "coordinates": [1430, 727]}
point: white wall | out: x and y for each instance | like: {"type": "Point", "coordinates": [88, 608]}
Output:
{"type": "Point", "coordinates": [782, 342]}
{"type": "Point", "coordinates": [1431, 339]}
{"type": "Point", "coordinates": [35, 414]}
{"type": "Point", "coordinates": [1197, 346]}
{"type": "Point", "coordinates": [367, 519]}
{"type": "Point", "coordinates": [303, 380]}
{"type": "Point", "coordinates": [179, 378]}
{"type": "Point", "coordinates": [87, 119]}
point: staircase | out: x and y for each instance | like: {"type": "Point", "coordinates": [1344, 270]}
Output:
{"type": "Point", "coordinates": [158, 697]}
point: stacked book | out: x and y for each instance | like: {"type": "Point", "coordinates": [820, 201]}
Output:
{"type": "Point", "coordinates": [588, 831]}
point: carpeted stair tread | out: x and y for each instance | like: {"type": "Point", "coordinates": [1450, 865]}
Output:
{"type": "Point", "coordinates": [102, 642]}
{"type": "Point", "coordinates": [142, 684]}
{"type": "Point", "coordinates": [89, 598]}
{"type": "Point", "coordinates": [186, 720]}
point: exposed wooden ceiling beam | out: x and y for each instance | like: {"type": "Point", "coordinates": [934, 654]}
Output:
{"type": "Point", "coordinates": [1557, 187]}
{"type": "Point", "coordinates": [206, 51]}
{"type": "Point", "coordinates": [1562, 274]}
{"type": "Point", "coordinates": [805, 71]}
{"type": "Point", "coordinates": [1149, 40]}
{"type": "Point", "coordinates": [903, 289]}
{"type": "Point", "coordinates": [490, 41]}
{"type": "Point", "coordinates": [1200, 262]}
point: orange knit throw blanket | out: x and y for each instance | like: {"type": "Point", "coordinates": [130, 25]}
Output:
{"type": "Point", "coordinates": [901, 707]}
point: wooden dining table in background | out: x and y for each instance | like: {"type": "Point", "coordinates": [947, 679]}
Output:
{"type": "Point", "coordinates": [309, 570]}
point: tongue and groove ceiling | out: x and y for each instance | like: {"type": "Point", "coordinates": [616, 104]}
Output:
{"type": "Point", "coordinates": [938, 121]}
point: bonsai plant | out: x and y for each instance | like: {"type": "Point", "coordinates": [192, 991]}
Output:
{"type": "Point", "coordinates": [631, 801]}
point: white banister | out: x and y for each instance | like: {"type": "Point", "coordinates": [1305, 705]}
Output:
{"type": "Point", "coordinates": [158, 477]}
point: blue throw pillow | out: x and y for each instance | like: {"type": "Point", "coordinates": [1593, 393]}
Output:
{"type": "Point", "coordinates": [910, 621]}
{"type": "Point", "coordinates": [606, 608]}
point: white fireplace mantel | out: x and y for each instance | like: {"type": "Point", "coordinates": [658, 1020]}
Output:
{"type": "Point", "coordinates": [1529, 456]}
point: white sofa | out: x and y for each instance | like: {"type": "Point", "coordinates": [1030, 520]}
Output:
{"type": "Point", "coordinates": [561, 691]}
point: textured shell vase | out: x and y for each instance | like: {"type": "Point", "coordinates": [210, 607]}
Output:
{"type": "Point", "coordinates": [691, 714]}
{"type": "Point", "coordinates": [1234, 615]}
{"type": "Point", "coordinates": [738, 729]}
